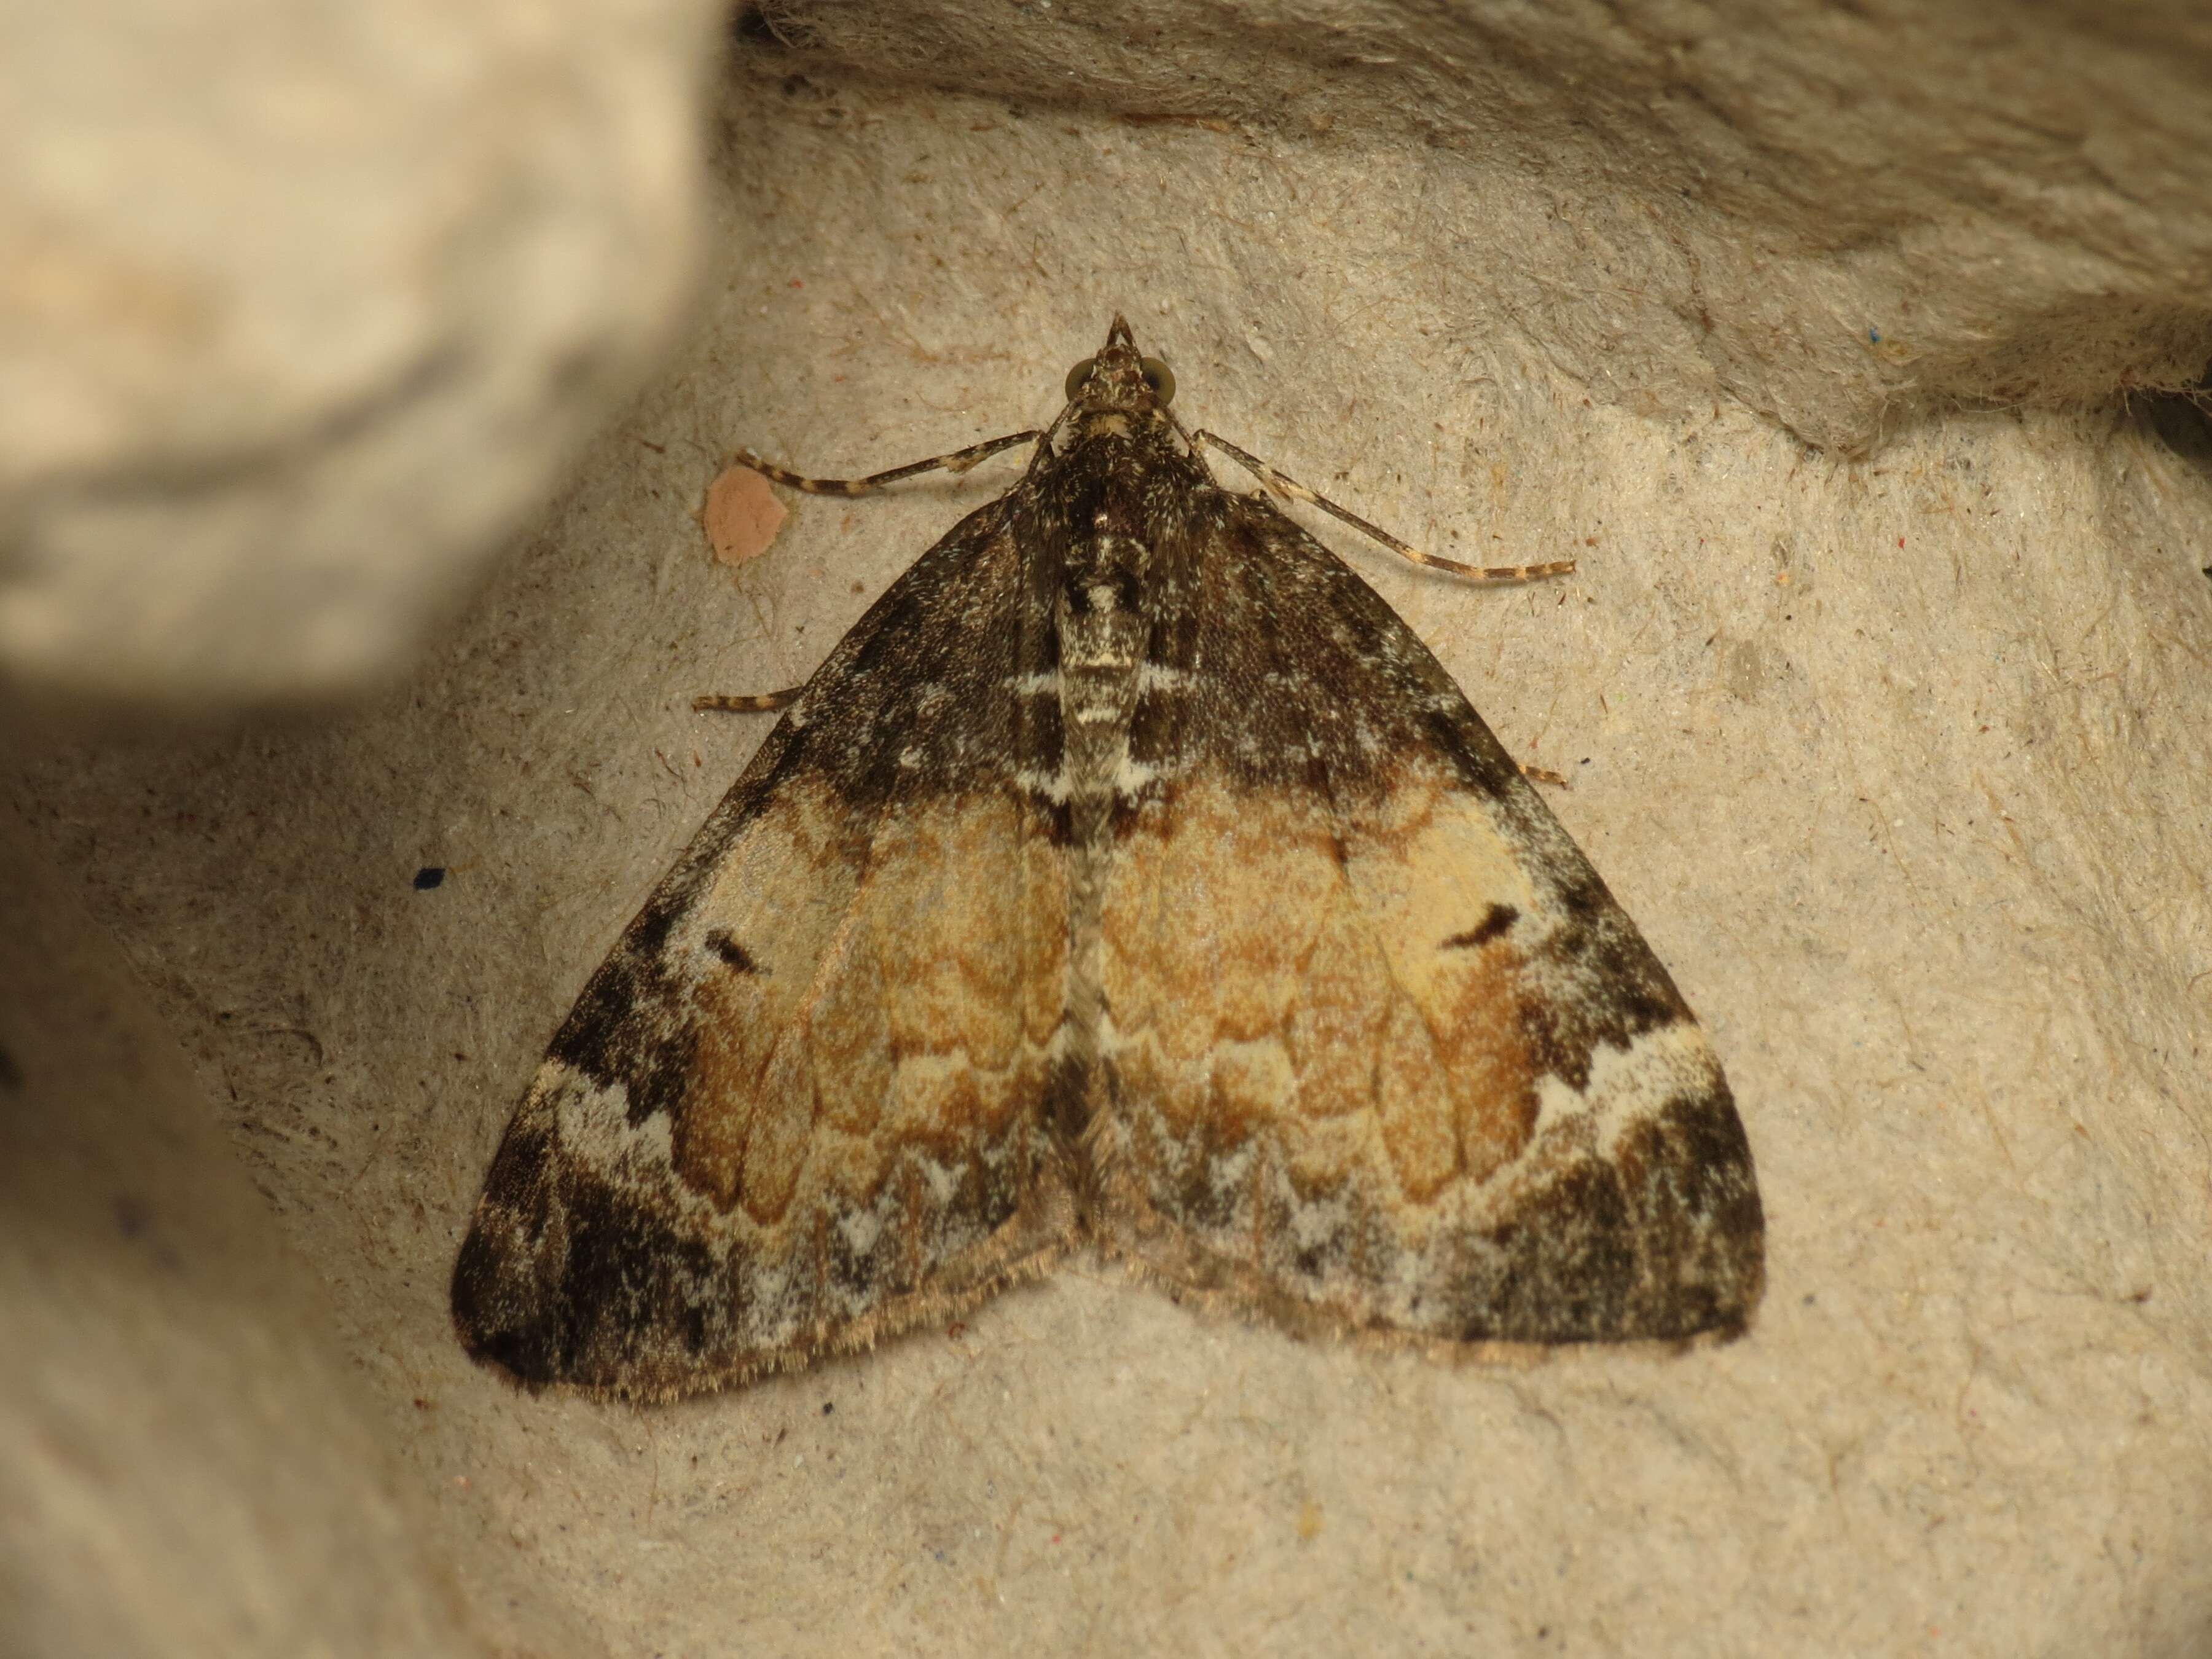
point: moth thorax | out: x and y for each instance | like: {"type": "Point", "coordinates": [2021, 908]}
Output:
{"type": "Point", "coordinates": [1101, 621]}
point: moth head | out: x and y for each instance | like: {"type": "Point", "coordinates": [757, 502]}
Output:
{"type": "Point", "coordinates": [1120, 377]}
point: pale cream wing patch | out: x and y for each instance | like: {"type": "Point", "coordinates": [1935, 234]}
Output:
{"type": "Point", "coordinates": [1384, 1053]}
{"type": "Point", "coordinates": [1339, 1090]}
{"type": "Point", "coordinates": [797, 1108]}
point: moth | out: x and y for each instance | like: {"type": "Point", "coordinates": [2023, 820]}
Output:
{"type": "Point", "coordinates": [1129, 877]}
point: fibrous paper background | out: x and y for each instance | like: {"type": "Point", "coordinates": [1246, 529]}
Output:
{"type": "Point", "coordinates": [1847, 352]}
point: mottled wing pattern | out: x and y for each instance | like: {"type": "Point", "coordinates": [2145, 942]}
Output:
{"type": "Point", "coordinates": [1383, 1051]}
{"type": "Point", "coordinates": [1130, 870]}
{"type": "Point", "coordinates": [797, 1107]}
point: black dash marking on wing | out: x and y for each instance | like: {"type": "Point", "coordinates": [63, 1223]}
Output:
{"type": "Point", "coordinates": [733, 954]}
{"type": "Point", "coordinates": [1501, 917]}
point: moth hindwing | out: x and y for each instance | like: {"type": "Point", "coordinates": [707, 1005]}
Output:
{"type": "Point", "coordinates": [1128, 875]}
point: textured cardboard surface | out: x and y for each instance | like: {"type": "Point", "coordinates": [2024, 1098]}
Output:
{"type": "Point", "coordinates": [303, 306]}
{"type": "Point", "coordinates": [185, 1466]}
{"type": "Point", "coordinates": [1899, 762]}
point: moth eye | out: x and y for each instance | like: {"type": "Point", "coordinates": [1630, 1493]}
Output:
{"type": "Point", "coordinates": [1161, 379]}
{"type": "Point", "coordinates": [1077, 375]}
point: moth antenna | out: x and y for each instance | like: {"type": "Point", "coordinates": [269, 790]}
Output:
{"type": "Point", "coordinates": [958, 461]}
{"type": "Point", "coordinates": [746, 702]}
{"type": "Point", "coordinates": [1291, 490]}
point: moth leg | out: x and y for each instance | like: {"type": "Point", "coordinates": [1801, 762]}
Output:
{"type": "Point", "coordinates": [746, 702]}
{"type": "Point", "coordinates": [1292, 489]}
{"type": "Point", "coordinates": [1544, 775]}
{"type": "Point", "coordinates": [762, 703]}
{"type": "Point", "coordinates": [958, 461]}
